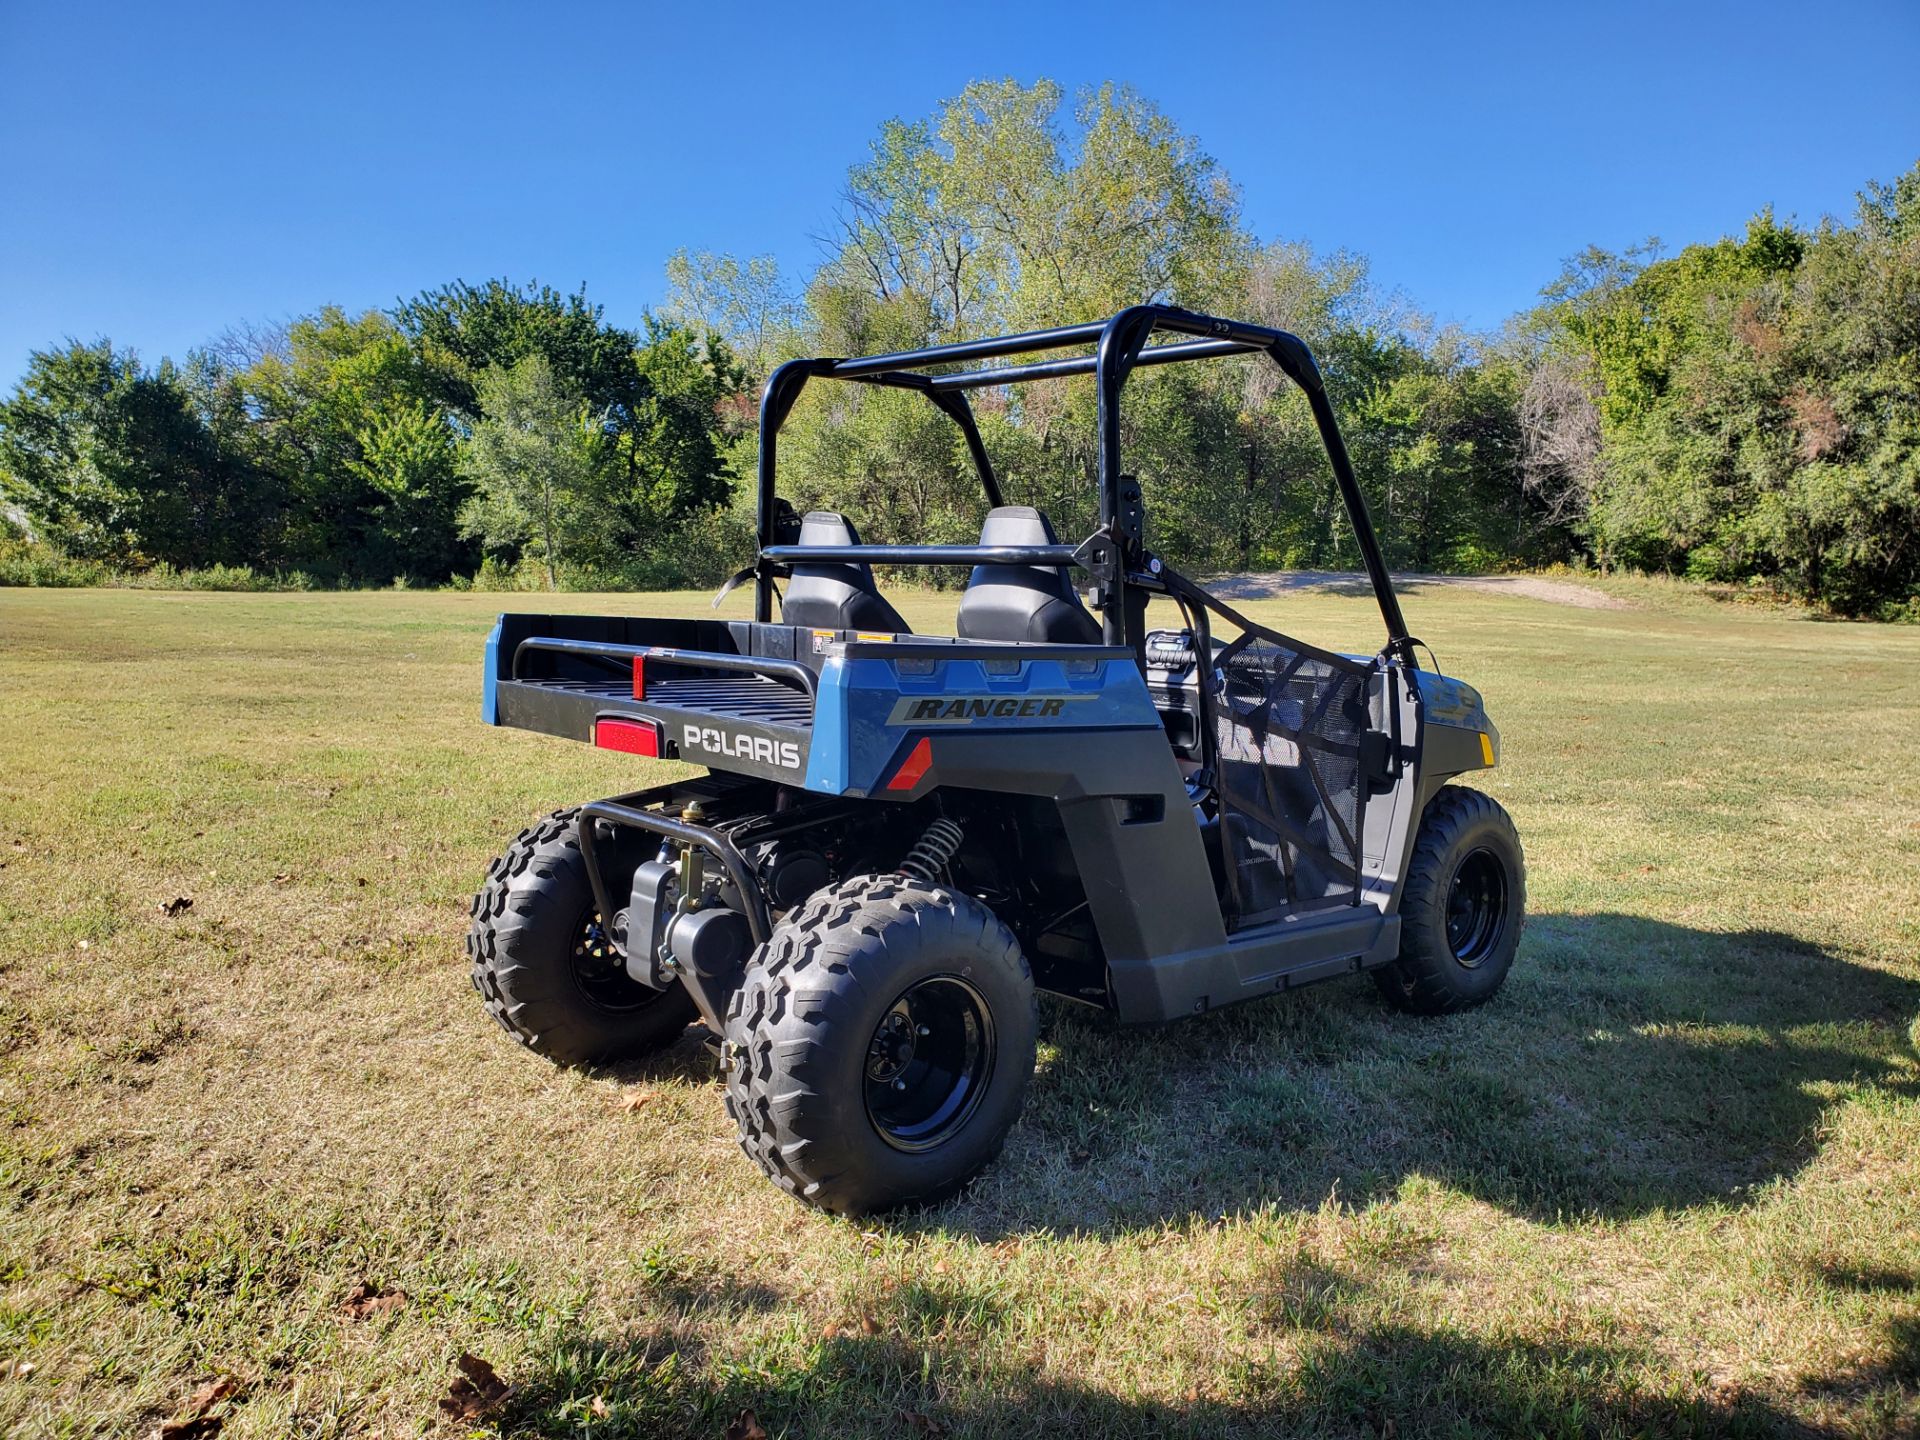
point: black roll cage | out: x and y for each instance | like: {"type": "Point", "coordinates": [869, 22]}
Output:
{"type": "Point", "coordinates": [1115, 554]}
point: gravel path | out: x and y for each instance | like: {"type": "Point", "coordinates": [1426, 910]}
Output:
{"type": "Point", "coordinates": [1267, 584]}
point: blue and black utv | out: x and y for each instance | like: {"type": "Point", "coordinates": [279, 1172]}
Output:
{"type": "Point", "coordinates": [899, 838]}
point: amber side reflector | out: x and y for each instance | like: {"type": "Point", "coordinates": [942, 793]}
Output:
{"type": "Point", "coordinates": [629, 737]}
{"type": "Point", "coordinates": [913, 767]}
{"type": "Point", "coordinates": [1486, 747]}
{"type": "Point", "coordinates": [640, 677]}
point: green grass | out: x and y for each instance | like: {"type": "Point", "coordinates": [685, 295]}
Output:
{"type": "Point", "coordinates": [1669, 1183]}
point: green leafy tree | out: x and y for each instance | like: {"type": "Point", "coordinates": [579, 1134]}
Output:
{"type": "Point", "coordinates": [537, 458]}
{"type": "Point", "coordinates": [745, 303]}
{"type": "Point", "coordinates": [1758, 402]}
{"type": "Point", "coordinates": [335, 382]}
{"type": "Point", "coordinates": [409, 457]}
{"type": "Point", "coordinates": [111, 461]}
{"type": "Point", "coordinates": [459, 331]}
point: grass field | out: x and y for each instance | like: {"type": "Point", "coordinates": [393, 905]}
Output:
{"type": "Point", "coordinates": [1668, 1183]}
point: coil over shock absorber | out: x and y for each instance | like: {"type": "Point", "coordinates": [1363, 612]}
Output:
{"type": "Point", "coordinates": [935, 848]}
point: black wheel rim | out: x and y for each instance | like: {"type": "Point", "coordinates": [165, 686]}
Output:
{"type": "Point", "coordinates": [1477, 908]}
{"type": "Point", "coordinates": [928, 1063]}
{"type": "Point", "coordinates": [601, 971]}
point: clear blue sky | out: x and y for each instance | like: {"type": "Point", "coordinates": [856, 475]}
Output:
{"type": "Point", "coordinates": [168, 169]}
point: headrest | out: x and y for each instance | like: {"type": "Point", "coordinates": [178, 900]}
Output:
{"type": "Point", "coordinates": [1015, 525]}
{"type": "Point", "coordinates": [825, 527]}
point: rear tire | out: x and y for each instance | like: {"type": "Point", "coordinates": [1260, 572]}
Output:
{"type": "Point", "coordinates": [1462, 909]}
{"type": "Point", "coordinates": [881, 1045]}
{"type": "Point", "coordinates": [545, 965]}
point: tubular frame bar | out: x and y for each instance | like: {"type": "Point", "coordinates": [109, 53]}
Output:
{"type": "Point", "coordinates": [786, 672]}
{"type": "Point", "coordinates": [1057, 338]}
{"type": "Point", "coordinates": [1120, 345]}
{"type": "Point", "coordinates": [618, 812]}
{"type": "Point", "coordinates": [1084, 365]}
{"type": "Point", "coordinates": [1058, 557]}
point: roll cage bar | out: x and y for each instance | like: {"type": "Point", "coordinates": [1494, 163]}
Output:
{"type": "Point", "coordinates": [1125, 572]}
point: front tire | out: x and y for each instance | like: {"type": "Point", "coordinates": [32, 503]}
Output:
{"type": "Point", "coordinates": [881, 1045]}
{"type": "Point", "coordinates": [545, 965]}
{"type": "Point", "coordinates": [1462, 909]}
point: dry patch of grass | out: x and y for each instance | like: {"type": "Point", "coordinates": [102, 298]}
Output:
{"type": "Point", "coordinates": [1667, 1184]}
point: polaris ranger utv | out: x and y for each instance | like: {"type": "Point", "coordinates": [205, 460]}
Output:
{"type": "Point", "coordinates": [900, 837]}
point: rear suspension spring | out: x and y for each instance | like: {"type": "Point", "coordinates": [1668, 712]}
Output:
{"type": "Point", "coordinates": [929, 858]}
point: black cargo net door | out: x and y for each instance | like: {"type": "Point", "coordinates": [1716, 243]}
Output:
{"type": "Point", "coordinates": [1288, 720]}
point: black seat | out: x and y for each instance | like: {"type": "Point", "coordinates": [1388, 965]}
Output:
{"type": "Point", "coordinates": [825, 596]}
{"type": "Point", "coordinates": [1023, 602]}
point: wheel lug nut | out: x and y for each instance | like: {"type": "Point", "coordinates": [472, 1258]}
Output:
{"type": "Point", "coordinates": [899, 1084]}
{"type": "Point", "coordinates": [925, 1031]}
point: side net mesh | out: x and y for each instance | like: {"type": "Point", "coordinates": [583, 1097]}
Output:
{"type": "Point", "coordinates": [1289, 720]}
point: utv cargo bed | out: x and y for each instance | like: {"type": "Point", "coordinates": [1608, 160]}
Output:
{"type": "Point", "coordinates": [650, 686]}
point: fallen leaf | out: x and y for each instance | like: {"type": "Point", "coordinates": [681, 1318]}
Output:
{"type": "Point", "coordinates": [920, 1424]}
{"type": "Point", "coordinates": [211, 1394]}
{"type": "Point", "coordinates": [478, 1390]}
{"type": "Point", "coordinates": [869, 1326]}
{"type": "Point", "coordinates": [283, 877]}
{"type": "Point", "coordinates": [176, 906]}
{"type": "Point", "coordinates": [598, 1407]}
{"type": "Point", "coordinates": [364, 1300]}
{"type": "Point", "coordinates": [747, 1427]}
{"type": "Point", "coordinates": [830, 1332]}
{"type": "Point", "coordinates": [194, 1427]}
{"type": "Point", "coordinates": [21, 1369]}
{"type": "Point", "coordinates": [195, 1423]}
{"type": "Point", "coordinates": [86, 944]}
{"type": "Point", "coordinates": [940, 1267]}
{"type": "Point", "coordinates": [636, 1099]}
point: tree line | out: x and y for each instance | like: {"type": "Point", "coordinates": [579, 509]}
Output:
{"type": "Point", "coordinates": [472, 426]}
{"type": "Point", "coordinates": [1743, 411]}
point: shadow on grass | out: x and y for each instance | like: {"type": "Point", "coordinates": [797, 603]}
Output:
{"type": "Point", "coordinates": [1629, 1065]}
{"type": "Point", "coordinates": [960, 1368]}
{"type": "Point", "coordinates": [1876, 1386]}
{"type": "Point", "coordinates": [688, 1059]}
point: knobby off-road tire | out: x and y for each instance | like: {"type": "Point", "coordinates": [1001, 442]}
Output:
{"type": "Point", "coordinates": [542, 961]}
{"type": "Point", "coordinates": [1463, 907]}
{"type": "Point", "coordinates": [858, 1003]}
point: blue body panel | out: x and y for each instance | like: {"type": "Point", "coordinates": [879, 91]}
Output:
{"type": "Point", "coordinates": [489, 694]}
{"type": "Point", "coordinates": [871, 712]}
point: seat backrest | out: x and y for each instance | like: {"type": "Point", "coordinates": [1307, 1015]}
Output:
{"type": "Point", "coordinates": [824, 596]}
{"type": "Point", "coordinates": [1023, 602]}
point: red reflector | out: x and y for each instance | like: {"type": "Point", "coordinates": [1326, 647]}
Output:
{"type": "Point", "coordinates": [913, 767]}
{"type": "Point", "coordinates": [640, 677]}
{"type": "Point", "coordinates": [630, 737]}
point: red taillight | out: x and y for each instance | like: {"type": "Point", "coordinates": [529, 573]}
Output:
{"type": "Point", "coordinates": [913, 767]}
{"type": "Point", "coordinates": [629, 737]}
{"type": "Point", "coordinates": [640, 676]}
